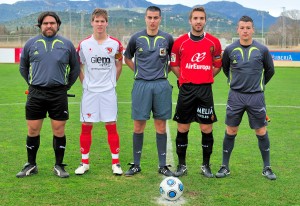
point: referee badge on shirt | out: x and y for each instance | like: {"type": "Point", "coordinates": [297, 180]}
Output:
{"type": "Point", "coordinates": [162, 52]}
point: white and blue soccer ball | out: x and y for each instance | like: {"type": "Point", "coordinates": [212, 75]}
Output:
{"type": "Point", "coordinates": [171, 188]}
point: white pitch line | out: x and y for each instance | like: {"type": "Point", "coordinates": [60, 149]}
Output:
{"type": "Point", "coordinates": [174, 103]}
{"type": "Point", "coordinates": [170, 157]}
{"type": "Point", "coordinates": [170, 160]}
{"type": "Point", "coordinates": [272, 106]}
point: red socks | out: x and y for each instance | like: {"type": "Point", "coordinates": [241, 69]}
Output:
{"type": "Point", "coordinates": [114, 142]}
{"type": "Point", "coordinates": [85, 142]}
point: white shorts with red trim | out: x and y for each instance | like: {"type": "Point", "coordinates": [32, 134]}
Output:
{"type": "Point", "coordinates": [99, 107]}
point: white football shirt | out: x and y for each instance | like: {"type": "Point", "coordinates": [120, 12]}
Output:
{"type": "Point", "coordinates": [99, 63]}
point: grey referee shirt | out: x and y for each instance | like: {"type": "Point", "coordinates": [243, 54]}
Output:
{"type": "Point", "coordinates": [248, 69]}
{"type": "Point", "coordinates": [151, 54]}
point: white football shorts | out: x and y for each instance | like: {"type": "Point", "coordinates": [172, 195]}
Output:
{"type": "Point", "coordinates": [99, 107]}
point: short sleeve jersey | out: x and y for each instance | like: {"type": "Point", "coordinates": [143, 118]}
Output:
{"type": "Point", "coordinates": [99, 63]}
{"type": "Point", "coordinates": [196, 59]}
{"type": "Point", "coordinates": [151, 54]}
{"type": "Point", "coordinates": [248, 68]}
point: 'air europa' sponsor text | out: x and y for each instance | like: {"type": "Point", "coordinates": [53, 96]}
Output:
{"type": "Point", "coordinates": [196, 66]}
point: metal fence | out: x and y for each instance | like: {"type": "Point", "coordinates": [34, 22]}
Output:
{"type": "Point", "coordinates": [15, 41]}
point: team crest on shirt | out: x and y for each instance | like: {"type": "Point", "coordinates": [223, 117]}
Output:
{"type": "Point", "coordinates": [89, 115]}
{"type": "Point", "coordinates": [198, 57]}
{"type": "Point", "coordinates": [109, 50]}
{"type": "Point", "coordinates": [173, 57]}
{"type": "Point", "coordinates": [162, 51]}
{"type": "Point", "coordinates": [212, 49]}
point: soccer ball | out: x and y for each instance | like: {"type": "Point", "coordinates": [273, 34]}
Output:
{"type": "Point", "coordinates": [171, 188]}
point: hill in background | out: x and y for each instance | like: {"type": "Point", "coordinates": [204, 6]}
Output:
{"type": "Point", "coordinates": [219, 13]}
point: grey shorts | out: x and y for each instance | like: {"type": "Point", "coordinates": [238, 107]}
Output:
{"type": "Point", "coordinates": [252, 103]}
{"type": "Point", "coordinates": [155, 96]}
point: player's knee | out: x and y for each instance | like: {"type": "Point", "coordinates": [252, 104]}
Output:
{"type": "Point", "coordinates": [58, 131]}
{"type": "Point", "coordinates": [261, 131]}
{"type": "Point", "coordinates": [33, 133]}
{"type": "Point", "coordinates": [231, 130]}
{"type": "Point", "coordinates": [183, 128]}
{"type": "Point", "coordinates": [206, 128]}
{"type": "Point", "coordinates": [139, 126]}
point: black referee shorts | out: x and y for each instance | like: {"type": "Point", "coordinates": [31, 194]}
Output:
{"type": "Point", "coordinates": [41, 101]}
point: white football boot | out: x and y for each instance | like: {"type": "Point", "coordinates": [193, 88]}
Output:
{"type": "Point", "coordinates": [83, 168]}
{"type": "Point", "coordinates": [116, 169]}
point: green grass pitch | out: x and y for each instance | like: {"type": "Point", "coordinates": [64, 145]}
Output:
{"type": "Point", "coordinates": [245, 185]}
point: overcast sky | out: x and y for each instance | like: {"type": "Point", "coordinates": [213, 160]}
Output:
{"type": "Point", "coordinates": [274, 7]}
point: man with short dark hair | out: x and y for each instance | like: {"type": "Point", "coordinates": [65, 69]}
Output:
{"type": "Point", "coordinates": [50, 66]}
{"type": "Point", "coordinates": [196, 59]}
{"type": "Point", "coordinates": [151, 49]}
{"type": "Point", "coordinates": [248, 65]}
